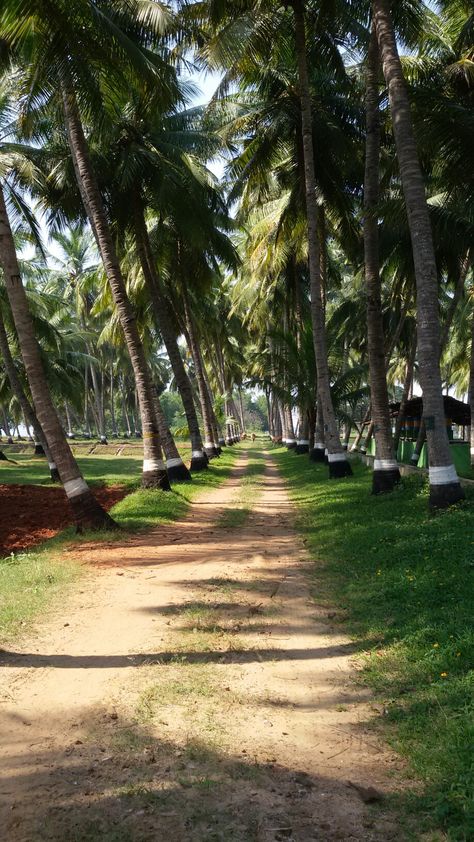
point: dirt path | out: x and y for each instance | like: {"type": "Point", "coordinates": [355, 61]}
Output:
{"type": "Point", "coordinates": [191, 690]}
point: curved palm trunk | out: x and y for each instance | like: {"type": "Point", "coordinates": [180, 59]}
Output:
{"type": "Point", "coordinates": [28, 411]}
{"type": "Point", "coordinates": [290, 430]}
{"type": "Point", "coordinates": [386, 473]}
{"type": "Point", "coordinates": [445, 487]}
{"type": "Point", "coordinates": [98, 395]}
{"type": "Point", "coordinates": [199, 459]}
{"type": "Point", "coordinates": [319, 446]}
{"type": "Point", "coordinates": [338, 463]}
{"type": "Point", "coordinates": [177, 470]}
{"type": "Point", "coordinates": [216, 429]}
{"type": "Point", "coordinates": [112, 401]}
{"type": "Point", "coordinates": [6, 426]}
{"type": "Point", "coordinates": [154, 469]}
{"type": "Point", "coordinates": [210, 446]}
{"type": "Point", "coordinates": [86, 510]}
{"type": "Point", "coordinates": [87, 425]}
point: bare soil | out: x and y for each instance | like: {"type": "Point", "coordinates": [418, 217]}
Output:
{"type": "Point", "coordinates": [193, 690]}
{"type": "Point", "coordinates": [30, 514]}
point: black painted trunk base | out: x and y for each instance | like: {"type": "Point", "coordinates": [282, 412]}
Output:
{"type": "Point", "coordinates": [302, 448]}
{"type": "Point", "coordinates": [339, 469]}
{"type": "Point", "coordinates": [229, 442]}
{"type": "Point", "coordinates": [3, 458]}
{"type": "Point", "coordinates": [178, 473]}
{"type": "Point", "coordinates": [157, 480]}
{"type": "Point", "coordinates": [54, 474]}
{"type": "Point", "coordinates": [317, 454]}
{"type": "Point", "coordinates": [443, 496]}
{"type": "Point", "coordinates": [89, 514]}
{"type": "Point", "coordinates": [39, 449]}
{"type": "Point", "coordinates": [385, 481]}
{"type": "Point", "coordinates": [291, 445]}
{"type": "Point", "coordinates": [199, 463]}
{"type": "Point", "coordinates": [103, 440]}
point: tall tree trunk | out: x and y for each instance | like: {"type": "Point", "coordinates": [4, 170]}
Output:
{"type": "Point", "coordinates": [216, 430]}
{"type": "Point", "coordinates": [112, 401]}
{"type": "Point", "coordinates": [386, 473]}
{"type": "Point", "coordinates": [125, 415]}
{"type": "Point", "coordinates": [290, 430]}
{"type": "Point", "coordinates": [445, 487]}
{"type": "Point", "coordinates": [87, 426]}
{"type": "Point", "coordinates": [338, 463]}
{"type": "Point", "coordinates": [98, 392]}
{"type": "Point", "coordinates": [210, 446]}
{"type": "Point", "coordinates": [302, 444]}
{"type": "Point", "coordinates": [154, 470]}
{"type": "Point", "coordinates": [199, 459]}
{"type": "Point", "coordinates": [6, 425]}
{"type": "Point", "coordinates": [87, 511]}
{"type": "Point", "coordinates": [177, 470]}
{"type": "Point", "coordinates": [319, 447]}
{"type": "Point", "coordinates": [70, 430]}
{"type": "Point", "coordinates": [19, 392]}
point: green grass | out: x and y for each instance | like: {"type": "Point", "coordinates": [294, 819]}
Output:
{"type": "Point", "coordinates": [31, 581]}
{"type": "Point", "coordinates": [97, 470]}
{"type": "Point", "coordinates": [405, 578]}
{"type": "Point", "coordinates": [249, 490]}
{"type": "Point", "coordinates": [29, 584]}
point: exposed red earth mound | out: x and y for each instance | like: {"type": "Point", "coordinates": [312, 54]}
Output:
{"type": "Point", "coordinates": [30, 514]}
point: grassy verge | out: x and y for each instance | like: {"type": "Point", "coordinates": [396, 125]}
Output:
{"type": "Point", "coordinates": [248, 491]}
{"type": "Point", "coordinates": [405, 578]}
{"type": "Point", "coordinates": [30, 582]}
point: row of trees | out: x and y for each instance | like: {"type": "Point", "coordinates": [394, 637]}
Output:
{"type": "Point", "coordinates": [351, 160]}
{"type": "Point", "coordinates": [311, 270]}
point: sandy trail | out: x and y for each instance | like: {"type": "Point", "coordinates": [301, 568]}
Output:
{"type": "Point", "coordinates": [191, 690]}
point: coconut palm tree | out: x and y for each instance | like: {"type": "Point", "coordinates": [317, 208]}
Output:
{"type": "Point", "coordinates": [445, 487]}
{"type": "Point", "coordinates": [386, 472]}
{"type": "Point", "coordinates": [93, 43]}
{"type": "Point", "coordinates": [86, 509]}
{"type": "Point", "coordinates": [28, 412]}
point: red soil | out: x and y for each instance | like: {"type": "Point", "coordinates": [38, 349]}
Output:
{"type": "Point", "coordinates": [30, 514]}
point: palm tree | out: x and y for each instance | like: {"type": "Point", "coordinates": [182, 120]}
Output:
{"type": "Point", "coordinates": [154, 469]}
{"type": "Point", "coordinates": [93, 43]}
{"type": "Point", "coordinates": [338, 463]}
{"type": "Point", "coordinates": [386, 472]}
{"type": "Point", "coordinates": [445, 487]}
{"type": "Point", "coordinates": [19, 392]}
{"type": "Point", "coordinates": [87, 511]}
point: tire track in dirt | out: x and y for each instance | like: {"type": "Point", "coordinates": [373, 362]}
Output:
{"type": "Point", "coordinates": [192, 690]}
